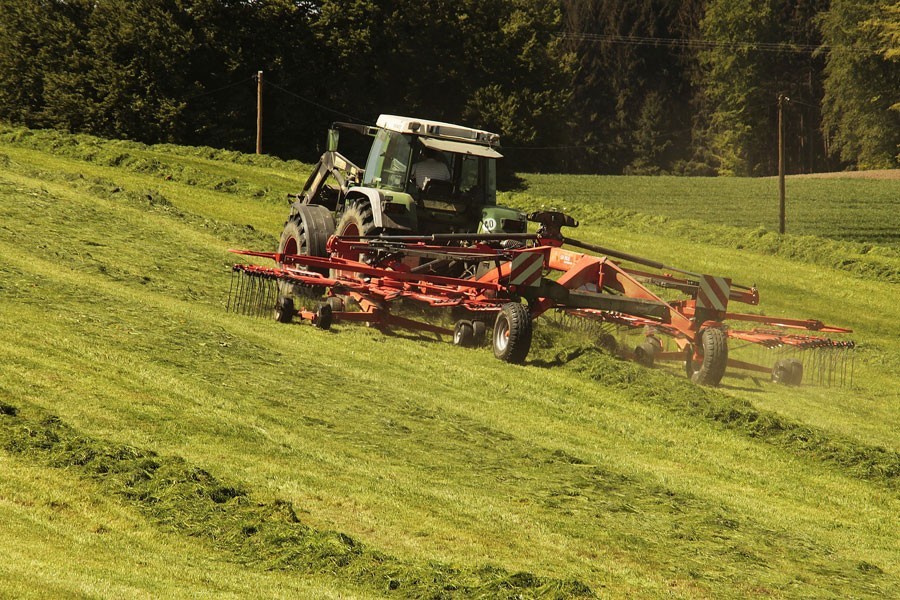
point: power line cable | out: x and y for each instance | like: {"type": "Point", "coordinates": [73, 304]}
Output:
{"type": "Point", "coordinates": [314, 103]}
{"type": "Point", "coordinates": [700, 44]}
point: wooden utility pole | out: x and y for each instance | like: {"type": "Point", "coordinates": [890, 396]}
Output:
{"type": "Point", "coordinates": [259, 85]}
{"type": "Point", "coordinates": [781, 100]}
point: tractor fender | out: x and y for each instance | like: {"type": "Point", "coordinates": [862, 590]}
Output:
{"type": "Point", "coordinates": [403, 219]}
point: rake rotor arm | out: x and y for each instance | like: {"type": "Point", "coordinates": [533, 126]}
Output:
{"type": "Point", "coordinates": [807, 324]}
{"type": "Point", "coordinates": [638, 260]}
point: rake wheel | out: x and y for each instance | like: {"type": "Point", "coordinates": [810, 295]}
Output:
{"type": "Point", "coordinates": [788, 371]}
{"type": "Point", "coordinates": [512, 333]}
{"type": "Point", "coordinates": [464, 334]}
{"type": "Point", "coordinates": [479, 329]}
{"type": "Point", "coordinates": [324, 316]}
{"type": "Point", "coordinates": [284, 309]}
{"type": "Point", "coordinates": [645, 353]}
{"type": "Point", "coordinates": [714, 343]}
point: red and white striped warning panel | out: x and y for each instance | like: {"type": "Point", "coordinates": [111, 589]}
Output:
{"type": "Point", "coordinates": [526, 269]}
{"type": "Point", "coordinates": [714, 292]}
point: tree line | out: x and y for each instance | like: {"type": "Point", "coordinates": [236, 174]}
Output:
{"type": "Point", "coordinates": [602, 86]}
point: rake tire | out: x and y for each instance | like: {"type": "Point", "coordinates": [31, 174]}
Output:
{"type": "Point", "coordinates": [788, 371]}
{"type": "Point", "coordinates": [324, 316]}
{"type": "Point", "coordinates": [479, 329]}
{"type": "Point", "coordinates": [512, 333]}
{"type": "Point", "coordinates": [464, 334]}
{"type": "Point", "coordinates": [714, 343]}
{"type": "Point", "coordinates": [284, 309]}
{"type": "Point", "coordinates": [645, 353]}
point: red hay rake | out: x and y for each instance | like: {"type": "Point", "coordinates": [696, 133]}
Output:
{"type": "Point", "coordinates": [501, 283]}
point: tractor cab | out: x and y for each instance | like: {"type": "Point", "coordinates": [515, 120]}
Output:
{"type": "Point", "coordinates": [449, 172]}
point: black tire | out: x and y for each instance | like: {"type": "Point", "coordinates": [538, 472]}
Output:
{"type": "Point", "coordinates": [479, 331]}
{"type": "Point", "coordinates": [512, 333]}
{"type": "Point", "coordinates": [284, 309]}
{"type": "Point", "coordinates": [645, 353]}
{"type": "Point", "coordinates": [608, 342]}
{"type": "Point", "coordinates": [797, 372]}
{"type": "Point", "coordinates": [324, 316]}
{"type": "Point", "coordinates": [714, 343]}
{"type": "Point", "coordinates": [788, 371]}
{"type": "Point", "coordinates": [464, 334]}
{"type": "Point", "coordinates": [357, 219]}
{"type": "Point", "coordinates": [306, 232]}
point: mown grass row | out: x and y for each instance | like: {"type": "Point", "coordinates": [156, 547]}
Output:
{"type": "Point", "coordinates": [252, 176]}
{"type": "Point", "coordinates": [190, 501]}
{"type": "Point", "coordinates": [865, 461]}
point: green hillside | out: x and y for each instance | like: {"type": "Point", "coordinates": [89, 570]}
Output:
{"type": "Point", "coordinates": [154, 445]}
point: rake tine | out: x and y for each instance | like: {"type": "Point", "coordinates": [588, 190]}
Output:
{"type": "Point", "coordinates": [248, 306]}
{"type": "Point", "coordinates": [239, 302]}
{"type": "Point", "coordinates": [230, 290]}
{"type": "Point", "coordinates": [254, 305]}
{"type": "Point", "coordinates": [261, 291]}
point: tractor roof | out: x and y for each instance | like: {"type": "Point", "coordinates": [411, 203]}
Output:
{"type": "Point", "coordinates": [436, 129]}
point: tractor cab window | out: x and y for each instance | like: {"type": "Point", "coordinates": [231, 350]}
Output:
{"type": "Point", "coordinates": [388, 163]}
{"type": "Point", "coordinates": [468, 173]}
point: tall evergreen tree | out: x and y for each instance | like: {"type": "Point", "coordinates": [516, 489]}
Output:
{"type": "Point", "coordinates": [756, 51]}
{"type": "Point", "coordinates": [627, 61]}
{"type": "Point", "coordinates": [862, 82]}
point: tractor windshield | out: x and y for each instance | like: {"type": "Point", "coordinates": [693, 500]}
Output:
{"type": "Point", "coordinates": [388, 163]}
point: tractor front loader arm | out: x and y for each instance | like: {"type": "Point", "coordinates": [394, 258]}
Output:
{"type": "Point", "coordinates": [331, 164]}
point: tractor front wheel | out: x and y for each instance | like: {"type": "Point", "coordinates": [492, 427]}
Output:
{"type": "Point", "coordinates": [714, 343]}
{"type": "Point", "coordinates": [307, 231]}
{"type": "Point", "coordinates": [512, 333]}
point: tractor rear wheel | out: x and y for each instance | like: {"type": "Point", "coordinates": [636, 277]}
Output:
{"type": "Point", "coordinates": [714, 343]}
{"type": "Point", "coordinates": [357, 220]}
{"type": "Point", "coordinates": [512, 333]}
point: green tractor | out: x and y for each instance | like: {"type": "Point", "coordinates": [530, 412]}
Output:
{"type": "Point", "coordinates": [421, 177]}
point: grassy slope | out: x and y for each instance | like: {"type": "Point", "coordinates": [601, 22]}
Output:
{"type": "Point", "coordinates": [633, 482]}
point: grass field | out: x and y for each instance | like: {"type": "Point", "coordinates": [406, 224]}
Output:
{"type": "Point", "coordinates": [851, 208]}
{"type": "Point", "coordinates": [153, 445]}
